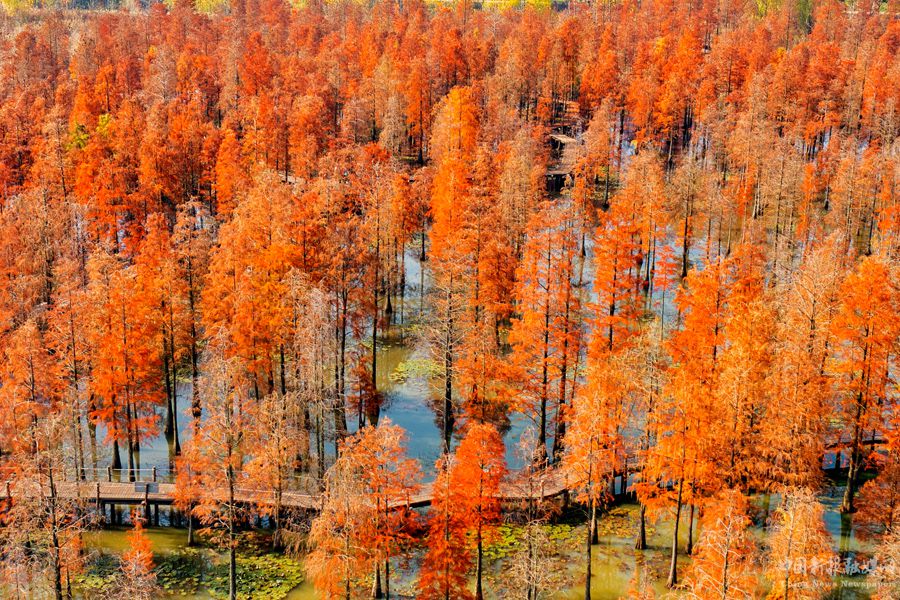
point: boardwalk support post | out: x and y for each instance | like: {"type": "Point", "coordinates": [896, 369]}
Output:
{"type": "Point", "coordinates": [100, 511]}
{"type": "Point", "coordinates": [109, 473]}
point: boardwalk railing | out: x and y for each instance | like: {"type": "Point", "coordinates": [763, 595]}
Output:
{"type": "Point", "coordinates": [157, 485]}
{"type": "Point", "coordinates": [299, 492]}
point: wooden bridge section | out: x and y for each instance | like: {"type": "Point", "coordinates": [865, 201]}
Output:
{"type": "Point", "coordinates": [542, 485]}
{"type": "Point", "coordinates": [102, 490]}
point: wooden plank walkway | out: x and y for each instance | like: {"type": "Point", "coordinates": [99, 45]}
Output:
{"type": "Point", "coordinates": [546, 485]}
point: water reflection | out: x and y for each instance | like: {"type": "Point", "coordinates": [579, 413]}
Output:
{"type": "Point", "coordinates": [410, 395]}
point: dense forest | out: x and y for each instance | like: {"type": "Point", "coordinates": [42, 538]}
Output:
{"type": "Point", "coordinates": [665, 233]}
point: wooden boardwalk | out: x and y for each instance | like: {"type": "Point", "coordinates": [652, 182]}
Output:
{"type": "Point", "coordinates": [546, 484]}
{"type": "Point", "coordinates": [520, 486]}
{"type": "Point", "coordinates": [155, 493]}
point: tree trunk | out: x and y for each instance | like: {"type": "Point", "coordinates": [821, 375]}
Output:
{"type": "Point", "coordinates": [131, 472]}
{"type": "Point", "coordinates": [690, 540]}
{"type": "Point", "coordinates": [376, 587]}
{"type": "Point", "coordinates": [685, 239]}
{"type": "Point", "coordinates": [641, 542]}
{"type": "Point", "coordinates": [232, 538]}
{"type": "Point", "coordinates": [232, 567]}
{"type": "Point", "coordinates": [448, 374]}
{"type": "Point", "coordinates": [479, 568]}
{"type": "Point", "coordinates": [117, 456]}
{"type": "Point", "coordinates": [174, 393]}
{"type": "Point", "coordinates": [563, 373]}
{"type": "Point", "coordinates": [374, 409]}
{"type": "Point", "coordinates": [190, 520]}
{"type": "Point", "coordinates": [340, 418]}
{"type": "Point", "coordinates": [195, 358]}
{"type": "Point", "coordinates": [92, 434]}
{"type": "Point", "coordinates": [168, 384]}
{"type": "Point", "coordinates": [853, 470]}
{"type": "Point", "coordinates": [540, 456]}
{"type": "Point", "coordinates": [673, 565]}
{"type": "Point", "coordinates": [588, 548]}
{"type": "Point", "coordinates": [54, 529]}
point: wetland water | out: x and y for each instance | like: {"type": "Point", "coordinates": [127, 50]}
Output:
{"type": "Point", "coordinates": [408, 400]}
{"type": "Point", "coordinates": [409, 392]}
{"type": "Point", "coordinates": [614, 559]}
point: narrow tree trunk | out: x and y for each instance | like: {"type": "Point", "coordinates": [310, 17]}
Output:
{"type": "Point", "coordinates": [232, 567]}
{"type": "Point", "coordinates": [588, 548]}
{"type": "Point", "coordinates": [847, 505]}
{"type": "Point", "coordinates": [685, 239]}
{"type": "Point", "coordinates": [195, 369]}
{"type": "Point", "coordinates": [673, 565]}
{"type": "Point", "coordinates": [448, 373]}
{"type": "Point", "coordinates": [168, 383]}
{"type": "Point", "coordinates": [563, 373]}
{"type": "Point", "coordinates": [54, 530]}
{"type": "Point", "coordinates": [174, 395]}
{"type": "Point", "coordinates": [641, 542]}
{"type": "Point", "coordinates": [479, 568]}
{"type": "Point", "coordinates": [690, 540]}
{"type": "Point", "coordinates": [131, 450]}
{"type": "Point", "coordinates": [117, 456]}
{"type": "Point", "coordinates": [376, 587]}
{"type": "Point", "coordinates": [232, 538]}
{"type": "Point", "coordinates": [190, 524]}
{"type": "Point", "coordinates": [92, 434]}
{"type": "Point", "coordinates": [340, 417]}
{"type": "Point", "coordinates": [376, 284]}
{"type": "Point", "coordinates": [540, 455]}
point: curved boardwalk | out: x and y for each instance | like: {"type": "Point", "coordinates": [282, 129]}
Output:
{"type": "Point", "coordinates": [546, 484]}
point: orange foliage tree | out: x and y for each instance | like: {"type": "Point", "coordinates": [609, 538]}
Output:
{"type": "Point", "coordinates": [211, 468]}
{"type": "Point", "coordinates": [723, 563]}
{"type": "Point", "coordinates": [246, 185]}
{"type": "Point", "coordinates": [125, 360]}
{"type": "Point", "coordinates": [800, 562]}
{"type": "Point", "coordinates": [464, 511]}
{"type": "Point", "coordinates": [137, 578]}
{"type": "Point", "coordinates": [683, 453]}
{"type": "Point", "coordinates": [545, 335]}
{"type": "Point", "coordinates": [865, 327]}
{"type": "Point", "coordinates": [366, 515]}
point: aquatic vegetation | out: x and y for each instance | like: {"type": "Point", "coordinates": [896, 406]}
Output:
{"type": "Point", "coordinates": [99, 576]}
{"type": "Point", "coordinates": [198, 571]}
{"type": "Point", "coordinates": [182, 571]}
{"type": "Point", "coordinates": [415, 367]}
{"type": "Point", "coordinates": [264, 577]}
